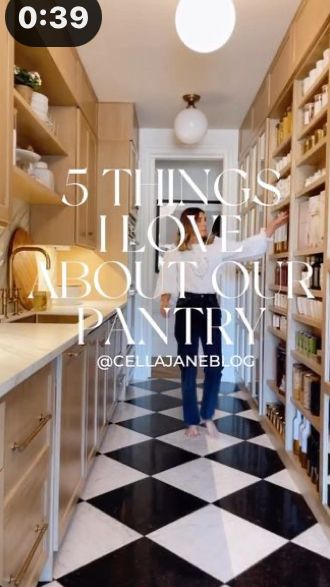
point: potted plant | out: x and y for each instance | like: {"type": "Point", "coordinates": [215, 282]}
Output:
{"type": "Point", "coordinates": [26, 82]}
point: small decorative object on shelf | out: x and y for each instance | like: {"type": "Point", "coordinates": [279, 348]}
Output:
{"type": "Point", "coordinates": [26, 82]}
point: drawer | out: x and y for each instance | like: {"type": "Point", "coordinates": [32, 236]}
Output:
{"type": "Point", "coordinates": [25, 523]}
{"type": "Point", "coordinates": [28, 411]}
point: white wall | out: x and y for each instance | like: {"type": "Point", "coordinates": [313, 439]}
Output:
{"type": "Point", "coordinates": [161, 144]}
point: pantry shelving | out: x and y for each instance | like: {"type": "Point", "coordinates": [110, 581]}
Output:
{"type": "Point", "coordinates": [308, 362]}
{"type": "Point", "coordinates": [314, 420]}
{"type": "Point", "coordinates": [307, 321]}
{"type": "Point", "coordinates": [278, 310]}
{"type": "Point", "coordinates": [298, 149]}
{"type": "Point", "coordinates": [26, 188]}
{"type": "Point", "coordinates": [314, 122]}
{"type": "Point", "coordinates": [31, 130]}
{"type": "Point", "coordinates": [276, 390]}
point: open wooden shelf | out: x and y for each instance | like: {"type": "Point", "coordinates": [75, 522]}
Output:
{"type": "Point", "coordinates": [319, 183]}
{"type": "Point", "coordinates": [34, 131]}
{"type": "Point", "coordinates": [314, 155]}
{"type": "Point", "coordinates": [283, 204]}
{"type": "Point", "coordinates": [303, 319]}
{"type": "Point", "coordinates": [319, 82]}
{"type": "Point", "coordinates": [53, 83]}
{"type": "Point", "coordinates": [283, 173]}
{"type": "Point", "coordinates": [281, 396]}
{"type": "Point", "coordinates": [274, 430]}
{"type": "Point", "coordinates": [28, 189]}
{"type": "Point", "coordinates": [308, 362]}
{"type": "Point", "coordinates": [283, 148]}
{"type": "Point", "coordinates": [309, 252]}
{"type": "Point", "coordinates": [308, 129]}
{"type": "Point", "coordinates": [278, 288]}
{"type": "Point", "coordinates": [275, 256]}
{"type": "Point", "coordinates": [314, 420]}
{"type": "Point", "coordinates": [277, 332]}
{"type": "Point", "coordinates": [278, 310]}
{"type": "Point", "coordinates": [298, 291]}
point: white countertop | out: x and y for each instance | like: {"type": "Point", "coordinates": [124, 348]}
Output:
{"type": "Point", "coordinates": [26, 348]}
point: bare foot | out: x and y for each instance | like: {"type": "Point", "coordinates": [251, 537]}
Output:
{"type": "Point", "coordinates": [192, 432]}
{"type": "Point", "coordinates": [212, 430]}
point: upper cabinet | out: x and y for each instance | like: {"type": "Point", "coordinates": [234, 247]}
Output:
{"type": "Point", "coordinates": [6, 109]}
{"type": "Point", "coordinates": [306, 28]}
{"type": "Point", "coordinates": [87, 159]}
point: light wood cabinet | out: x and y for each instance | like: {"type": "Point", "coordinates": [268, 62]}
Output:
{"type": "Point", "coordinates": [282, 69]}
{"type": "Point", "coordinates": [7, 114]}
{"type": "Point", "coordinates": [72, 430]}
{"type": "Point", "coordinates": [307, 25]}
{"type": "Point", "coordinates": [29, 414]}
{"type": "Point", "coordinates": [25, 474]}
{"type": "Point", "coordinates": [91, 401]}
{"type": "Point", "coordinates": [26, 525]}
{"type": "Point", "coordinates": [101, 419]}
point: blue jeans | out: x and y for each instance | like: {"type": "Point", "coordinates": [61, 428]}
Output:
{"type": "Point", "coordinates": [212, 374]}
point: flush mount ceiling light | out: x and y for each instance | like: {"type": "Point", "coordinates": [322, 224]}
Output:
{"type": "Point", "coordinates": [205, 25]}
{"type": "Point", "coordinates": [191, 124]}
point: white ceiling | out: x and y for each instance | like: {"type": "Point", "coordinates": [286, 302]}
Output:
{"type": "Point", "coordinates": [137, 57]}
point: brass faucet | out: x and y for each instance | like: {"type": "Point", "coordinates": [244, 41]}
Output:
{"type": "Point", "coordinates": [28, 248]}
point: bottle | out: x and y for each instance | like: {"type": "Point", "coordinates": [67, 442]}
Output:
{"type": "Point", "coordinates": [306, 431]}
{"type": "Point", "coordinates": [317, 272]}
{"type": "Point", "coordinates": [296, 429]}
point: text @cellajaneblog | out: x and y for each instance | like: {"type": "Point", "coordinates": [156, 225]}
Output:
{"type": "Point", "coordinates": [106, 362]}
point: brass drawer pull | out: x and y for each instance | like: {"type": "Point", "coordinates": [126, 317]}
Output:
{"type": "Point", "coordinates": [25, 567]}
{"type": "Point", "coordinates": [74, 355]}
{"type": "Point", "coordinates": [43, 420]}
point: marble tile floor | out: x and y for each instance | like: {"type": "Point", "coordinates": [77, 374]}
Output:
{"type": "Point", "coordinates": [161, 510]}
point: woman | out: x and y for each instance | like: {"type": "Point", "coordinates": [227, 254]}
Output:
{"type": "Point", "coordinates": [198, 296]}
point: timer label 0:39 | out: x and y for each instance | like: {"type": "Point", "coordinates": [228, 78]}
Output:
{"type": "Point", "coordinates": [47, 23]}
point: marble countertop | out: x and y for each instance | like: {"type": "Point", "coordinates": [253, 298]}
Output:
{"type": "Point", "coordinates": [26, 347]}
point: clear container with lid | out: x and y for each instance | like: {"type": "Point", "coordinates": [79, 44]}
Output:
{"type": "Point", "coordinates": [308, 113]}
{"type": "Point", "coordinates": [317, 103]}
{"type": "Point", "coordinates": [325, 95]}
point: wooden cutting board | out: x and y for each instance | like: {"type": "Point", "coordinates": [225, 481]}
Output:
{"type": "Point", "coordinates": [25, 267]}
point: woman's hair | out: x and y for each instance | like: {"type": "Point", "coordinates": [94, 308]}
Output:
{"type": "Point", "coordinates": [189, 232]}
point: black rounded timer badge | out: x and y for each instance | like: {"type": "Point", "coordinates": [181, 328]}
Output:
{"type": "Point", "coordinates": [47, 23]}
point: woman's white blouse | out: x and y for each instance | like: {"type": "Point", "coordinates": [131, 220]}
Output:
{"type": "Point", "coordinates": [198, 276]}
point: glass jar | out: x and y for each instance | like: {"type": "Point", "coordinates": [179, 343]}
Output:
{"type": "Point", "coordinates": [325, 95]}
{"type": "Point", "coordinates": [317, 103]}
{"type": "Point", "coordinates": [308, 113]}
{"type": "Point", "coordinates": [319, 134]}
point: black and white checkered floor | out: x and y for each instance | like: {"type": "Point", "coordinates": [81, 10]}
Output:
{"type": "Point", "coordinates": [161, 510]}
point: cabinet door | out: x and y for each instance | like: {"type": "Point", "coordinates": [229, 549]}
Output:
{"type": "Point", "coordinates": [6, 109]}
{"type": "Point", "coordinates": [110, 373]}
{"type": "Point", "coordinates": [87, 159]}
{"type": "Point", "coordinates": [72, 431]}
{"type": "Point", "coordinates": [92, 189]}
{"type": "Point", "coordinates": [82, 160]}
{"type": "Point", "coordinates": [101, 418]}
{"type": "Point", "coordinates": [133, 164]}
{"type": "Point", "coordinates": [91, 396]}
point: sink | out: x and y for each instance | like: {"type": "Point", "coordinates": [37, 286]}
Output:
{"type": "Point", "coordinates": [49, 319]}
